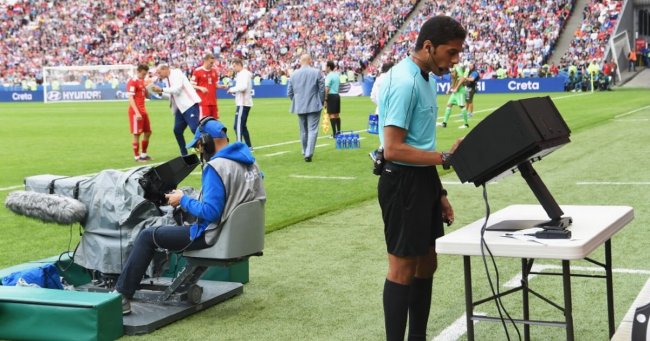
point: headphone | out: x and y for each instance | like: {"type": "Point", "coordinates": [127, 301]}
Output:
{"type": "Point", "coordinates": [441, 70]}
{"type": "Point", "coordinates": [206, 141]}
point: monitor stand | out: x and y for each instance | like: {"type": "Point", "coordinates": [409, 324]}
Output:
{"type": "Point", "coordinates": [556, 224]}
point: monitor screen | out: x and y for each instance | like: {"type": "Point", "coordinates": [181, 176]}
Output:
{"type": "Point", "coordinates": [509, 140]}
{"type": "Point", "coordinates": [519, 131]}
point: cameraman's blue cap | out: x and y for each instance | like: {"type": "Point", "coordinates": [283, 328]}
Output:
{"type": "Point", "coordinates": [212, 127]}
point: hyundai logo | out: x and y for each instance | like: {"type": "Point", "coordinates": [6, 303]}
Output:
{"type": "Point", "coordinates": [54, 96]}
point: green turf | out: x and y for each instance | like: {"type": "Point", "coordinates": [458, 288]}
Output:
{"type": "Point", "coordinates": [321, 279]}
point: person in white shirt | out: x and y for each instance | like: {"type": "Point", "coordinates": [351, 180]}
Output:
{"type": "Point", "coordinates": [374, 93]}
{"type": "Point", "coordinates": [184, 101]}
{"type": "Point", "coordinates": [243, 91]}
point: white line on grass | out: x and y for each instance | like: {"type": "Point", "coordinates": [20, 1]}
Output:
{"type": "Point", "coordinates": [322, 145]}
{"type": "Point", "coordinates": [298, 141]}
{"type": "Point", "coordinates": [10, 188]}
{"type": "Point", "coordinates": [614, 183]}
{"type": "Point", "coordinates": [459, 327]}
{"type": "Point", "coordinates": [632, 120]}
{"type": "Point", "coordinates": [492, 109]}
{"type": "Point", "coordinates": [456, 329]}
{"type": "Point", "coordinates": [516, 281]}
{"type": "Point", "coordinates": [276, 154]}
{"type": "Point", "coordinates": [631, 112]}
{"type": "Point", "coordinates": [322, 177]}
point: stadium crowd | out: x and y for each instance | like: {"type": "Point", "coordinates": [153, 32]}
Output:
{"type": "Point", "coordinates": [505, 38]}
{"type": "Point", "coordinates": [99, 32]}
{"type": "Point", "coordinates": [591, 38]}
{"type": "Point", "coordinates": [350, 33]}
{"type": "Point", "coordinates": [513, 35]}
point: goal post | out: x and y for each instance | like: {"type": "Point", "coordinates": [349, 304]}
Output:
{"type": "Point", "coordinates": [86, 83]}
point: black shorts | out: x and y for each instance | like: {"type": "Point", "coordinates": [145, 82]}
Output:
{"type": "Point", "coordinates": [469, 94]}
{"type": "Point", "coordinates": [409, 198]}
{"type": "Point", "coordinates": [333, 104]}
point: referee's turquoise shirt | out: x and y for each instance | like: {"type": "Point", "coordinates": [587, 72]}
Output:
{"type": "Point", "coordinates": [333, 82]}
{"type": "Point", "coordinates": [407, 100]}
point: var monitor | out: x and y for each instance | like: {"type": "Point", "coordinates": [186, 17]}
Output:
{"type": "Point", "coordinates": [510, 139]}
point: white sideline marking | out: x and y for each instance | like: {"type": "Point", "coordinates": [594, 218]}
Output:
{"type": "Point", "coordinates": [322, 177]}
{"type": "Point", "coordinates": [298, 141]}
{"type": "Point", "coordinates": [492, 109]}
{"type": "Point", "coordinates": [459, 327]}
{"type": "Point", "coordinates": [276, 154]}
{"type": "Point", "coordinates": [456, 329]}
{"type": "Point", "coordinates": [321, 145]}
{"type": "Point", "coordinates": [515, 281]}
{"type": "Point", "coordinates": [630, 112]}
{"type": "Point", "coordinates": [10, 188]}
{"type": "Point", "coordinates": [617, 183]}
{"type": "Point", "coordinates": [632, 120]}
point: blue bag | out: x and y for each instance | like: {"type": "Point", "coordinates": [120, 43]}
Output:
{"type": "Point", "coordinates": [45, 276]}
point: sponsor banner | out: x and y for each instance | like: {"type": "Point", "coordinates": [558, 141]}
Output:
{"type": "Point", "coordinates": [85, 95]}
{"type": "Point", "coordinates": [555, 84]}
{"type": "Point", "coordinates": [21, 96]}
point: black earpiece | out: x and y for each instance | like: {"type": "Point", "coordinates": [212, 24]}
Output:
{"type": "Point", "coordinates": [206, 141]}
{"type": "Point", "coordinates": [441, 70]}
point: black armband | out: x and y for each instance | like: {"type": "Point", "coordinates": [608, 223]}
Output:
{"type": "Point", "coordinates": [443, 192]}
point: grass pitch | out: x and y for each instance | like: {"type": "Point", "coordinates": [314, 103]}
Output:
{"type": "Point", "coordinates": [321, 279]}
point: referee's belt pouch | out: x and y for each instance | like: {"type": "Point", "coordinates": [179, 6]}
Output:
{"type": "Point", "coordinates": [391, 168]}
{"type": "Point", "coordinates": [378, 161]}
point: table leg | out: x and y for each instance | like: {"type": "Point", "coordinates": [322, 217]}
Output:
{"type": "Point", "coordinates": [610, 287]}
{"type": "Point", "coordinates": [524, 292]}
{"type": "Point", "coordinates": [568, 310]}
{"type": "Point", "coordinates": [469, 304]}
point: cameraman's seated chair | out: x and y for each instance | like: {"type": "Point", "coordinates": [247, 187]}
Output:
{"type": "Point", "coordinates": [240, 237]}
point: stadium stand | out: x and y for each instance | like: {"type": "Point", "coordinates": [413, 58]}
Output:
{"type": "Point", "coordinates": [500, 33]}
{"type": "Point", "coordinates": [516, 35]}
{"type": "Point", "coordinates": [591, 38]}
{"type": "Point", "coordinates": [349, 32]}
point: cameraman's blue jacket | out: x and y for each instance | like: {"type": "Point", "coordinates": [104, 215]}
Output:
{"type": "Point", "coordinates": [213, 198]}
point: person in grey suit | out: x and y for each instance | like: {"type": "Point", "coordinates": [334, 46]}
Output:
{"type": "Point", "coordinates": [307, 93]}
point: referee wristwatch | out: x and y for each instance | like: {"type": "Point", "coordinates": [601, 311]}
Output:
{"type": "Point", "coordinates": [444, 157]}
{"type": "Point", "coordinates": [443, 193]}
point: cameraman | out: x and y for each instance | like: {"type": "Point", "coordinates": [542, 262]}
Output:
{"type": "Point", "coordinates": [413, 203]}
{"type": "Point", "coordinates": [231, 170]}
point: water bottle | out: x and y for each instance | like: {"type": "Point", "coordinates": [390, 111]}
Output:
{"type": "Point", "coordinates": [338, 141]}
{"type": "Point", "coordinates": [371, 120]}
{"type": "Point", "coordinates": [348, 141]}
{"type": "Point", "coordinates": [376, 124]}
{"type": "Point", "coordinates": [357, 142]}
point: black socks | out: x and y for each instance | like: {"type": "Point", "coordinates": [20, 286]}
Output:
{"type": "Point", "coordinates": [402, 301]}
{"type": "Point", "coordinates": [419, 307]}
{"type": "Point", "coordinates": [396, 298]}
{"type": "Point", "coordinates": [336, 126]}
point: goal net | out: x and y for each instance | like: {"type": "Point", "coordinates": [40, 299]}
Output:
{"type": "Point", "coordinates": [86, 83]}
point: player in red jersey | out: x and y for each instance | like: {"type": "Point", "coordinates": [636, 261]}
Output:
{"type": "Point", "coordinates": [136, 89]}
{"type": "Point", "coordinates": [206, 81]}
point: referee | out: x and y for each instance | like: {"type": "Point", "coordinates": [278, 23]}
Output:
{"type": "Point", "coordinates": [412, 200]}
{"type": "Point", "coordinates": [332, 98]}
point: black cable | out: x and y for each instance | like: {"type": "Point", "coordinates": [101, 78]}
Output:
{"type": "Point", "coordinates": [495, 293]}
{"type": "Point", "coordinates": [68, 252]}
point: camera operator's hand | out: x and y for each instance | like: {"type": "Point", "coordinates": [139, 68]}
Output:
{"type": "Point", "coordinates": [174, 197]}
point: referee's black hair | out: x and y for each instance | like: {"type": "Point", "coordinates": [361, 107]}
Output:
{"type": "Point", "coordinates": [440, 30]}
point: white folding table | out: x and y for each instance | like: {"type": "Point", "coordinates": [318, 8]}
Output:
{"type": "Point", "coordinates": [591, 227]}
